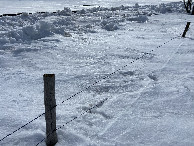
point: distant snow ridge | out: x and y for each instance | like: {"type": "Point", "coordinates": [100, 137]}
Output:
{"type": "Point", "coordinates": [26, 28]}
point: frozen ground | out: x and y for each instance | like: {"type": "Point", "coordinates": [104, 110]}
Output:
{"type": "Point", "coordinates": [149, 101]}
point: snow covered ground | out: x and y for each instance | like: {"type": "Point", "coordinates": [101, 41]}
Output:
{"type": "Point", "coordinates": [31, 6]}
{"type": "Point", "coordinates": [149, 97]}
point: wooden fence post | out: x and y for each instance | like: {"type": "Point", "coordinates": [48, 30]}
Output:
{"type": "Point", "coordinates": [192, 11]}
{"type": "Point", "coordinates": [50, 109]}
{"type": "Point", "coordinates": [186, 29]}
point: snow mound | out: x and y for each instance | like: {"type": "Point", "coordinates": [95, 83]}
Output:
{"type": "Point", "coordinates": [34, 32]}
{"type": "Point", "coordinates": [31, 32]}
{"type": "Point", "coordinates": [109, 26]}
{"type": "Point", "coordinates": [30, 27]}
{"type": "Point", "coordinates": [169, 7]}
{"type": "Point", "coordinates": [65, 12]}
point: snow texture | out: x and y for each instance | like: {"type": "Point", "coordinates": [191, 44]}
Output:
{"type": "Point", "coordinates": [125, 70]}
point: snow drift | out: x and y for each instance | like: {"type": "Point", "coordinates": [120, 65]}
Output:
{"type": "Point", "coordinates": [26, 28]}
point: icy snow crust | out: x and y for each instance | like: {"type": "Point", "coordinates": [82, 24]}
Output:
{"type": "Point", "coordinates": [149, 102]}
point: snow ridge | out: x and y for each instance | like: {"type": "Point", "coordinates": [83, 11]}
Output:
{"type": "Point", "coordinates": [27, 28]}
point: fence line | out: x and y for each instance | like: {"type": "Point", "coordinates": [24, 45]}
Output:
{"type": "Point", "coordinates": [104, 101]}
{"type": "Point", "coordinates": [22, 127]}
{"type": "Point", "coordinates": [103, 78]}
{"type": "Point", "coordinates": [73, 119]}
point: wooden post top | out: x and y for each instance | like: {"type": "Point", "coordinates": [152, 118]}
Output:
{"type": "Point", "coordinates": [48, 75]}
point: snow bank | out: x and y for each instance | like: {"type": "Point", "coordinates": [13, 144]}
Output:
{"type": "Point", "coordinates": [169, 7]}
{"type": "Point", "coordinates": [34, 32]}
{"type": "Point", "coordinates": [26, 27]}
{"type": "Point", "coordinates": [65, 12]}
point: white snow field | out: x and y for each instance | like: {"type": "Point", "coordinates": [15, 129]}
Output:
{"type": "Point", "coordinates": [15, 6]}
{"type": "Point", "coordinates": [132, 57]}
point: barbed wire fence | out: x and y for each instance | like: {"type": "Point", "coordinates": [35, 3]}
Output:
{"type": "Point", "coordinates": [85, 89]}
{"type": "Point", "coordinates": [108, 76]}
{"type": "Point", "coordinates": [76, 117]}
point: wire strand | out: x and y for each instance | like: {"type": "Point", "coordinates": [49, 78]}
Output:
{"type": "Point", "coordinates": [73, 119]}
{"type": "Point", "coordinates": [103, 78]}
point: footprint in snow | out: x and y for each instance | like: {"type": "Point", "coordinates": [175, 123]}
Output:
{"type": "Point", "coordinates": [94, 110]}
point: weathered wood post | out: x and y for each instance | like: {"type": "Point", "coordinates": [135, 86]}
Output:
{"type": "Point", "coordinates": [186, 29]}
{"type": "Point", "coordinates": [50, 109]}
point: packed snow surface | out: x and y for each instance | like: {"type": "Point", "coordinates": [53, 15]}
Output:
{"type": "Point", "coordinates": [125, 67]}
